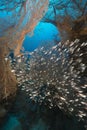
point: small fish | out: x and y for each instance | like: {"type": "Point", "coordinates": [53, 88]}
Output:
{"type": "Point", "coordinates": [19, 60]}
{"type": "Point", "coordinates": [12, 71]}
{"type": "Point", "coordinates": [55, 74]}
{"type": "Point", "coordinates": [6, 59]}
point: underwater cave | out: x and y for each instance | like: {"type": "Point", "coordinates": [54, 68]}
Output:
{"type": "Point", "coordinates": [43, 65]}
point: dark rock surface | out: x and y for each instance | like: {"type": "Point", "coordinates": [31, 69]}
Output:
{"type": "Point", "coordinates": [32, 116]}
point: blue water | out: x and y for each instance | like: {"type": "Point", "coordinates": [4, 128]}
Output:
{"type": "Point", "coordinates": [43, 33]}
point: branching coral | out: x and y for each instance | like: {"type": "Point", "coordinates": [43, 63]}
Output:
{"type": "Point", "coordinates": [70, 17]}
{"type": "Point", "coordinates": [8, 83]}
{"type": "Point", "coordinates": [20, 18]}
{"type": "Point", "coordinates": [17, 18]}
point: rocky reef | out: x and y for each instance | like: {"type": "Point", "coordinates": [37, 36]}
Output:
{"type": "Point", "coordinates": [26, 114]}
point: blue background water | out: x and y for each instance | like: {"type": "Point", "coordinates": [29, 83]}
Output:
{"type": "Point", "coordinates": [43, 33]}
